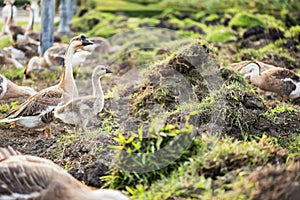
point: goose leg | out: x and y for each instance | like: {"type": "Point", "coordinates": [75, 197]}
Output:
{"type": "Point", "coordinates": [283, 99]}
{"type": "Point", "coordinates": [47, 132]}
{"type": "Point", "coordinates": [77, 129]}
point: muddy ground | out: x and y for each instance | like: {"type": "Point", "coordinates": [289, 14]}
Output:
{"type": "Point", "coordinates": [89, 156]}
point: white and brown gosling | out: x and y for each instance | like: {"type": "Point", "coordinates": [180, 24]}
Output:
{"type": "Point", "coordinates": [32, 177]}
{"type": "Point", "coordinates": [81, 110]}
{"type": "Point", "coordinates": [10, 90]}
{"type": "Point", "coordinates": [282, 81]}
{"type": "Point", "coordinates": [37, 111]}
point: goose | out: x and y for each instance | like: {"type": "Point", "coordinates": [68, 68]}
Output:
{"type": "Point", "coordinates": [32, 177]}
{"type": "Point", "coordinates": [16, 32]}
{"type": "Point", "coordinates": [8, 89]}
{"type": "Point", "coordinates": [6, 13]}
{"type": "Point", "coordinates": [100, 44]}
{"type": "Point", "coordinates": [279, 80]}
{"type": "Point", "coordinates": [7, 58]}
{"type": "Point", "coordinates": [36, 111]}
{"type": "Point", "coordinates": [23, 50]}
{"type": "Point", "coordinates": [54, 56]}
{"type": "Point", "coordinates": [80, 110]}
{"type": "Point", "coordinates": [240, 65]}
{"type": "Point", "coordinates": [30, 35]}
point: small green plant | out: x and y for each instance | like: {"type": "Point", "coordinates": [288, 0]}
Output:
{"type": "Point", "coordinates": [273, 113]}
{"type": "Point", "coordinates": [139, 152]}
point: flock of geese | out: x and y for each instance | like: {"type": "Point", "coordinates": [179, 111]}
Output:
{"type": "Point", "coordinates": [30, 177]}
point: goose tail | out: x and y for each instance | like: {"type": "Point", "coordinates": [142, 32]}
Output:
{"type": "Point", "coordinates": [7, 120]}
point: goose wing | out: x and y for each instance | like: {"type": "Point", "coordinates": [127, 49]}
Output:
{"type": "Point", "coordinates": [28, 48]}
{"type": "Point", "coordinates": [279, 77]}
{"type": "Point", "coordinates": [29, 177]}
{"type": "Point", "coordinates": [57, 53]}
{"type": "Point", "coordinates": [40, 103]}
{"type": "Point", "coordinates": [284, 73]}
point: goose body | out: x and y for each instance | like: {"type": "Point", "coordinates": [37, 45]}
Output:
{"type": "Point", "coordinates": [240, 65]}
{"type": "Point", "coordinates": [6, 58]}
{"type": "Point", "coordinates": [10, 90]}
{"type": "Point", "coordinates": [282, 81]}
{"type": "Point", "coordinates": [36, 111]}
{"type": "Point", "coordinates": [101, 45]}
{"type": "Point", "coordinates": [80, 110]}
{"type": "Point", "coordinates": [24, 50]}
{"type": "Point", "coordinates": [9, 27]}
{"type": "Point", "coordinates": [32, 177]}
{"type": "Point", "coordinates": [8, 10]}
{"type": "Point", "coordinates": [54, 56]}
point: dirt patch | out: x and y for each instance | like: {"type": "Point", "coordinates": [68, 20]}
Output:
{"type": "Point", "coordinates": [277, 182]}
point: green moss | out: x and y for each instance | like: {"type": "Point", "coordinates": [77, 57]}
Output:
{"type": "Point", "coordinates": [292, 143]}
{"type": "Point", "coordinates": [13, 74]}
{"type": "Point", "coordinates": [275, 48]}
{"type": "Point", "coordinates": [5, 41]}
{"type": "Point", "coordinates": [293, 32]}
{"type": "Point", "coordinates": [212, 17]}
{"type": "Point", "coordinates": [245, 20]}
{"type": "Point", "coordinates": [286, 16]}
{"type": "Point", "coordinates": [220, 34]}
{"type": "Point", "coordinates": [270, 21]}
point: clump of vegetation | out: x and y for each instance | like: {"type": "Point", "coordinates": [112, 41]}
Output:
{"type": "Point", "coordinates": [245, 20]}
{"type": "Point", "coordinates": [142, 160]}
{"type": "Point", "coordinates": [5, 41]}
{"type": "Point", "coordinates": [221, 34]}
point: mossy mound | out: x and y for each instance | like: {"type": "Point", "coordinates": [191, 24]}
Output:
{"type": "Point", "coordinates": [245, 20]}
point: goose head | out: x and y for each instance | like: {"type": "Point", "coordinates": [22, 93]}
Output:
{"type": "Point", "coordinates": [250, 69]}
{"type": "Point", "coordinates": [101, 70]}
{"type": "Point", "coordinates": [79, 42]}
{"type": "Point", "coordinates": [26, 7]}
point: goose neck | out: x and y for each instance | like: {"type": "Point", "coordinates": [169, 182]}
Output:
{"type": "Point", "coordinates": [97, 88]}
{"type": "Point", "coordinates": [34, 60]}
{"type": "Point", "coordinates": [31, 20]}
{"type": "Point", "coordinates": [67, 81]}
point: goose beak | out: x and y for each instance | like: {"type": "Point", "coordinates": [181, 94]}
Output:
{"type": "Point", "coordinates": [107, 70]}
{"type": "Point", "coordinates": [86, 42]}
{"type": "Point", "coordinates": [27, 75]}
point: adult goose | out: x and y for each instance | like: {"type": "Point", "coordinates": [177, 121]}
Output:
{"type": "Point", "coordinates": [16, 32]}
{"type": "Point", "coordinates": [37, 111]}
{"type": "Point", "coordinates": [9, 89]}
{"type": "Point", "coordinates": [32, 177]}
{"type": "Point", "coordinates": [240, 65]}
{"type": "Point", "coordinates": [54, 56]}
{"type": "Point", "coordinates": [80, 110]}
{"type": "Point", "coordinates": [31, 35]}
{"type": "Point", "coordinates": [282, 81]}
